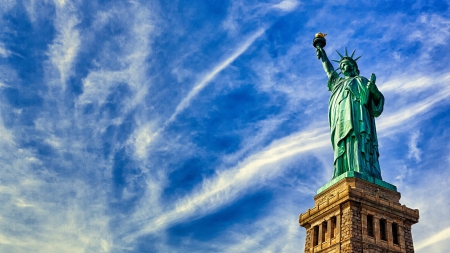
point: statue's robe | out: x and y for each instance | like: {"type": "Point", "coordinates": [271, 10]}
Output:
{"type": "Point", "coordinates": [351, 115]}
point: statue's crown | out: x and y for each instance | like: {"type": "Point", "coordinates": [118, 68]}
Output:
{"type": "Point", "coordinates": [347, 57]}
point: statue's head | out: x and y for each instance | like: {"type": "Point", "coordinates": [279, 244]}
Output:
{"type": "Point", "coordinates": [348, 65]}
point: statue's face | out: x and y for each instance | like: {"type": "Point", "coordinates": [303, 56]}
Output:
{"type": "Point", "coordinates": [347, 68]}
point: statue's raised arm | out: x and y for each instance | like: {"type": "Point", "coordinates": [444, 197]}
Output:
{"type": "Point", "coordinates": [319, 43]}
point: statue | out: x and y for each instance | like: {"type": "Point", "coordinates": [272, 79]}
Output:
{"type": "Point", "coordinates": [354, 102]}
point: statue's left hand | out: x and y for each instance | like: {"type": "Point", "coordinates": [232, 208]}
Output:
{"type": "Point", "coordinates": [372, 87]}
{"type": "Point", "coordinates": [373, 78]}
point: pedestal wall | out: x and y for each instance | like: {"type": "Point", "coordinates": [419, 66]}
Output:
{"type": "Point", "coordinates": [354, 215]}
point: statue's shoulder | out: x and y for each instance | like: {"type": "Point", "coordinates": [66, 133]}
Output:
{"type": "Point", "coordinates": [333, 80]}
{"type": "Point", "coordinates": [363, 79]}
{"type": "Point", "coordinates": [334, 76]}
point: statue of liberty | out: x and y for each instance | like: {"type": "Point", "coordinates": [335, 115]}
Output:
{"type": "Point", "coordinates": [354, 102]}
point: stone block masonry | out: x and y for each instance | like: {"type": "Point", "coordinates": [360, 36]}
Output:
{"type": "Point", "coordinates": [354, 215]}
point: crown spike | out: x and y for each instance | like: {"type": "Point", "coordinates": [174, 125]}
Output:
{"type": "Point", "coordinates": [346, 54]}
{"type": "Point", "coordinates": [339, 54]}
{"type": "Point", "coordinates": [336, 61]}
{"type": "Point", "coordinates": [358, 58]}
{"type": "Point", "coordinates": [353, 53]}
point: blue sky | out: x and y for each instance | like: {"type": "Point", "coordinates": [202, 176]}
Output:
{"type": "Point", "coordinates": [201, 126]}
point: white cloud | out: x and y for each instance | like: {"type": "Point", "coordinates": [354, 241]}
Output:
{"type": "Point", "coordinates": [402, 84]}
{"type": "Point", "coordinates": [227, 185]}
{"type": "Point", "coordinates": [65, 47]}
{"type": "Point", "coordinates": [4, 52]}
{"type": "Point", "coordinates": [7, 5]}
{"type": "Point", "coordinates": [6, 136]}
{"type": "Point", "coordinates": [429, 193]}
{"type": "Point", "coordinates": [136, 50]}
{"type": "Point", "coordinates": [435, 238]}
{"type": "Point", "coordinates": [436, 32]}
{"type": "Point", "coordinates": [239, 13]}
{"type": "Point", "coordinates": [414, 151]}
{"type": "Point", "coordinates": [286, 5]}
{"type": "Point", "coordinates": [54, 142]}
{"type": "Point", "coordinates": [144, 136]}
{"type": "Point", "coordinates": [410, 111]}
{"type": "Point", "coordinates": [60, 3]}
{"type": "Point", "coordinates": [403, 173]}
{"type": "Point", "coordinates": [278, 232]}
{"type": "Point", "coordinates": [97, 85]}
{"type": "Point", "coordinates": [44, 212]}
{"type": "Point", "coordinates": [212, 74]}
{"type": "Point", "coordinates": [431, 30]}
{"type": "Point", "coordinates": [259, 134]}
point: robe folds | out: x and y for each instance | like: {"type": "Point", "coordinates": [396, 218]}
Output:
{"type": "Point", "coordinates": [351, 115]}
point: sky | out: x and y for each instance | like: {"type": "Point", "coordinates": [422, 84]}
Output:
{"type": "Point", "coordinates": [202, 125]}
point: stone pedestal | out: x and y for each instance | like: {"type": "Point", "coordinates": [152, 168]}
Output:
{"type": "Point", "coordinates": [354, 215]}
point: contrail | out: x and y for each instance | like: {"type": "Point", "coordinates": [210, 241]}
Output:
{"type": "Point", "coordinates": [210, 76]}
{"type": "Point", "coordinates": [202, 84]}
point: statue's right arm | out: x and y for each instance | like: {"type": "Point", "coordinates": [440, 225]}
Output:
{"type": "Point", "coordinates": [325, 62]}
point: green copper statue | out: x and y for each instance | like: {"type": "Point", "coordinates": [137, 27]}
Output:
{"type": "Point", "coordinates": [354, 102]}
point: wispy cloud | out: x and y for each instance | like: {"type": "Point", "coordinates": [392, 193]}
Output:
{"type": "Point", "coordinates": [46, 213]}
{"type": "Point", "coordinates": [7, 5]}
{"type": "Point", "coordinates": [410, 111]}
{"type": "Point", "coordinates": [414, 151]}
{"type": "Point", "coordinates": [274, 233]}
{"type": "Point", "coordinates": [132, 59]}
{"type": "Point", "coordinates": [225, 187]}
{"type": "Point", "coordinates": [408, 84]}
{"type": "Point", "coordinates": [286, 5]}
{"type": "Point", "coordinates": [3, 51]}
{"type": "Point", "coordinates": [435, 29]}
{"type": "Point", "coordinates": [145, 136]}
{"type": "Point", "coordinates": [432, 232]}
{"type": "Point", "coordinates": [212, 74]}
{"type": "Point", "coordinates": [65, 47]}
{"type": "Point", "coordinates": [439, 236]}
{"type": "Point", "coordinates": [57, 200]}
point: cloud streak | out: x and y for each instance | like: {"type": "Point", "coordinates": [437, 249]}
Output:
{"type": "Point", "coordinates": [389, 122]}
{"type": "Point", "coordinates": [66, 45]}
{"type": "Point", "coordinates": [145, 135]}
{"type": "Point", "coordinates": [286, 5]}
{"type": "Point", "coordinates": [263, 166]}
{"type": "Point", "coordinates": [438, 237]}
{"type": "Point", "coordinates": [212, 74]}
{"type": "Point", "coordinates": [227, 185]}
